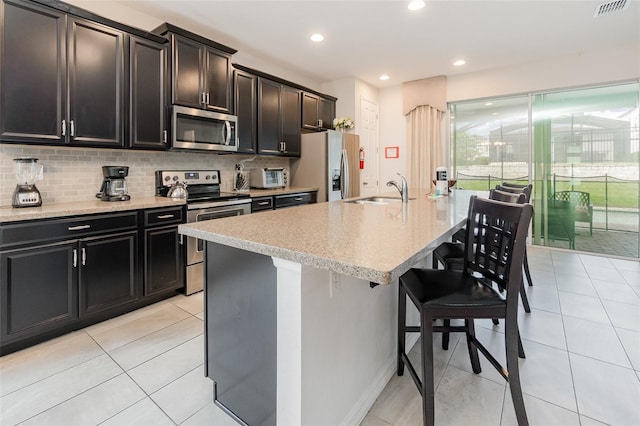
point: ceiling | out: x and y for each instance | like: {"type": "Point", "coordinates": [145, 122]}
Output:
{"type": "Point", "coordinates": [364, 39]}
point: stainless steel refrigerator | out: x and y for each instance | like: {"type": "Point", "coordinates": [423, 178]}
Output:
{"type": "Point", "coordinates": [329, 161]}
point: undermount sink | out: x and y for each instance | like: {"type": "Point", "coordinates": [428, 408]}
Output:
{"type": "Point", "coordinates": [378, 200]}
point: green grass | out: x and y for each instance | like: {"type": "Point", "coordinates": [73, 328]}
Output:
{"type": "Point", "coordinates": [616, 194]}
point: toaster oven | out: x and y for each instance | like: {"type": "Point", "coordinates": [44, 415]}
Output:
{"type": "Point", "coordinates": [267, 178]}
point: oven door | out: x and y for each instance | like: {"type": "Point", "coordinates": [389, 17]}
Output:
{"type": "Point", "coordinates": [195, 246]}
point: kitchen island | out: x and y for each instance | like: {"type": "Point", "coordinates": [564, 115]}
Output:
{"type": "Point", "coordinates": [296, 331]}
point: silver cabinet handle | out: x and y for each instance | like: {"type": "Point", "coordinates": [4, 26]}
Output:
{"type": "Point", "coordinates": [75, 258]}
{"type": "Point", "coordinates": [166, 216]}
{"type": "Point", "coordinates": [298, 199]}
{"type": "Point", "coordinates": [204, 98]}
{"type": "Point", "coordinates": [72, 133]}
{"type": "Point", "coordinates": [78, 227]}
{"type": "Point", "coordinates": [64, 127]}
{"type": "Point", "coordinates": [164, 136]}
{"type": "Point", "coordinates": [207, 98]}
{"type": "Point", "coordinates": [264, 203]}
{"type": "Point", "coordinates": [283, 146]}
{"type": "Point", "coordinates": [84, 256]}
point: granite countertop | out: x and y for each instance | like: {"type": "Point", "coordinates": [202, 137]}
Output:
{"type": "Point", "coordinates": [377, 243]}
{"type": "Point", "coordinates": [50, 211]}
{"type": "Point", "coordinates": [253, 192]}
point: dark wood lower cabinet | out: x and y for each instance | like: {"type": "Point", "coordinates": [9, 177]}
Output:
{"type": "Point", "coordinates": [164, 264]}
{"type": "Point", "coordinates": [60, 275]}
{"type": "Point", "coordinates": [38, 290]}
{"type": "Point", "coordinates": [107, 272]}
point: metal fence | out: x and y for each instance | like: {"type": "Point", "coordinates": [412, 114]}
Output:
{"type": "Point", "coordinates": [615, 201]}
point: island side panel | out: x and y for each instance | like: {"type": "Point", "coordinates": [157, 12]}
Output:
{"type": "Point", "coordinates": [240, 333]}
{"type": "Point", "coordinates": [337, 341]}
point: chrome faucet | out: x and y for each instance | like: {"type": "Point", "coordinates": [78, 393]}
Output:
{"type": "Point", "coordinates": [403, 189]}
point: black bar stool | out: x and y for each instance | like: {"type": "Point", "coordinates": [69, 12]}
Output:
{"type": "Point", "coordinates": [494, 254]}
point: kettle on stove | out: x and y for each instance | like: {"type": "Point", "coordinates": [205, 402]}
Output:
{"type": "Point", "coordinates": [178, 190]}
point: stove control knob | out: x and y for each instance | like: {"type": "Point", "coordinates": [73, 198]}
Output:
{"type": "Point", "coordinates": [175, 178]}
{"type": "Point", "coordinates": [207, 177]}
{"type": "Point", "coordinates": [167, 178]}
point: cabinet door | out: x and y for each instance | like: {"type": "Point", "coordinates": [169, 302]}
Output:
{"type": "Point", "coordinates": [107, 272]}
{"type": "Point", "coordinates": [163, 264]}
{"type": "Point", "coordinates": [217, 75]}
{"type": "Point", "coordinates": [327, 112]}
{"type": "Point", "coordinates": [96, 84]}
{"type": "Point", "coordinates": [269, 128]}
{"type": "Point", "coordinates": [33, 71]}
{"type": "Point", "coordinates": [247, 110]}
{"type": "Point", "coordinates": [290, 117]}
{"type": "Point", "coordinates": [38, 290]}
{"type": "Point", "coordinates": [310, 105]}
{"type": "Point", "coordinates": [187, 77]}
{"type": "Point", "coordinates": [148, 105]}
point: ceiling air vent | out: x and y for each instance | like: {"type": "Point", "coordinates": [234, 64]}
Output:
{"type": "Point", "coordinates": [611, 7]}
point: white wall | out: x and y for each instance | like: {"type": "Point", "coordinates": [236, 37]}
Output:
{"type": "Point", "coordinates": [392, 133]}
{"type": "Point", "coordinates": [589, 68]}
{"type": "Point", "coordinates": [344, 90]}
{"type": "Point", "coordinates": [118, 12]}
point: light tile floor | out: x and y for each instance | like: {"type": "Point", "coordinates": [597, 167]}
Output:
{"type": "Point", "coordinates": [582, 341]}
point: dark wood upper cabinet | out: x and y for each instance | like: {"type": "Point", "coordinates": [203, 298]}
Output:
{"type": "Point", "coordinates": [278, 119]}
{"type": "Point", "coordinates": [326, 112]}
{"type": "Point", "coordinates": [148, 94]}
{"type": "Point", "coordinates": [246, 107]}
{"type": "Point", "coordinates": [290, 120]}
{"type": "Point", "coordinates": [200, 70]}
{"type": "Point", "coordinates": [317, 112]}
{"type": "Point", "coordinates": [187, 80]}
{"type": "Point", "coordinates": [201, 75]}
{"type": "Point", "coordinates": [96, 84]}
{"type": "Point", "coordinates": [62, 78]}
{"type": "Point", "coordinates": [310, 109]}
{"type": "Point", "coordinates": [269, 128]}
{"type": "Point", "coordinates": [33, 70]}
{"type": "Point", "coordinates": [218, 79]}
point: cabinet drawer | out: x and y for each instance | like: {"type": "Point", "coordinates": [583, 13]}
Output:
{"type": "Point", "coordinates": [159, 217]}
{"type": "Point", "coordinates": [12, 235]}
{"type": "Point", "coordinates": [291, 200]}
{"type": "Point", "coordinates": [261, 203]}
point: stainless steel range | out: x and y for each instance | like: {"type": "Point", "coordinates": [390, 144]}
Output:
{"type": "Point", "coordinates": [205, 201]}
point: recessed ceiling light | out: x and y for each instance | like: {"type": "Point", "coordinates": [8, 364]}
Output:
{"type": "Point", "coordinates": [415, 5]}
{"type": "Point", "coordinates": [317, 37]}
{"type": "Point", "coordinates": [384, 77]}
{"type": "Point", "coordinates": [459, 62]}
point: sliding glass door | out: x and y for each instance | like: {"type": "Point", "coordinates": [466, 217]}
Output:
{"type": "Point", "coordinates": [579, 148]}
{"type": "Point", "coordinates": [586, 168]}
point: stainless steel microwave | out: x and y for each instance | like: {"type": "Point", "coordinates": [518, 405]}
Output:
{"type": "Point", "coordinates": [198, 129]}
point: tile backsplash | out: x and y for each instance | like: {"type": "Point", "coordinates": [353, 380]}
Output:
{"type": "Point", "coordinates": [75, 174]}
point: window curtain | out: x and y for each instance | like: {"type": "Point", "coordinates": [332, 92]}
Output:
{"type": "Point", "coordinates": [424, 146]}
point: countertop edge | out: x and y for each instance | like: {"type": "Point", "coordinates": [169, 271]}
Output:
{"type": "Point", "coordinates": [346, 268]}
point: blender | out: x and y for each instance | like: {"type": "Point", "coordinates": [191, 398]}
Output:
{"type": "Point", "coordinates": [26, 194]}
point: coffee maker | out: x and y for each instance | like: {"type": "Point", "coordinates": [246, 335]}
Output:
{"type": "Point", "coordinates": [114, 187]}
